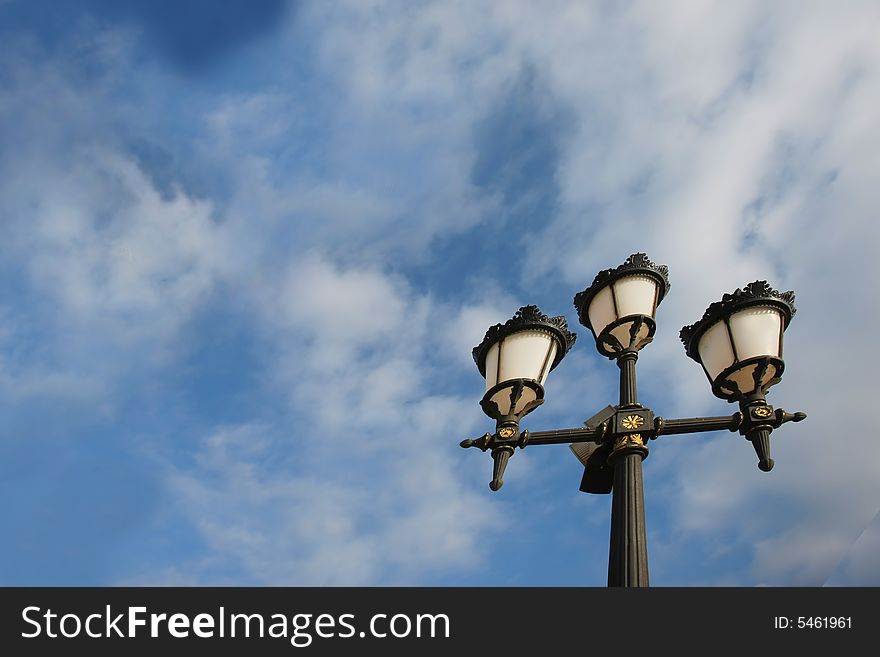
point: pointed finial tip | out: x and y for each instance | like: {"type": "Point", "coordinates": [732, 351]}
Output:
{"type": "Point", "coordinates": [766, 465]}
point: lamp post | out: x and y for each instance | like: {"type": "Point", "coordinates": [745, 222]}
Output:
{"type": "Point", "coordinates": [738, 341]}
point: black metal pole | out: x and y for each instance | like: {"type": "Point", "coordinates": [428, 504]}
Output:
{"type": "Point", "coordinates": [628, 553]}
{"type": "Point", "coordinates": [627, 364]}
{"type": "Point", "coordinates": [628, 556]}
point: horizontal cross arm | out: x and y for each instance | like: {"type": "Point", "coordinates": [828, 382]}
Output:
{"type": "Point", "coordinates": [562, 436]}
{"type": "Point", "coordinates": [697, 424]}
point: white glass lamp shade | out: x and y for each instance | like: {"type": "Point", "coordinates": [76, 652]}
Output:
{"type": "Point", "coordinates": [620, 305]}
{"type": "Point", "coordinates": [716, 350]}
{"type": "Point", "coordinates": [516, 357]}
{"type": "Point", "coordinates": [737, 346]}
{"type": "Point", "coordinates": [633, 296]}
{"type": "Point", "coordinates": [739, 340]}
{"type": "Point", "coordinates": [528, 354]}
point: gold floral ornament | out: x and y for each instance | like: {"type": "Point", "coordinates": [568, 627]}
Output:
{"type": "Point", "coordinates": [628, 440]}
{"type": "Point", "coordinates": [506, 432]}
{"type": "Point", "coordinates": [633, 421]}
{"type": "Point", "coordinates": [763, 411]}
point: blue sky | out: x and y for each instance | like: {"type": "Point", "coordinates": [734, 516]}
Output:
{"type": "Point", "coordinates": [247, 247]}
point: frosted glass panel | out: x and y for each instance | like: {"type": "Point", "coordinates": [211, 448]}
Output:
{"type": "Point", "coordinates": [502, 398]}
{"type": "Point", "coordinates": [622, 333]}
{"type": "Point", "coordinates": [771, 373]}
{"type": "Point", "coordinates": [601, 310]}
{"type": "Point", "coordinates": [756, 332]}
{"type": "Point", "coordinates": [528, 396]}
{"type": "Point", "coordinates": [523, 354]}
{"type": "Point", "coordinates": [745, 379]}
{"type": "Point", "coordinates": [492, 366]}
{"type": "Point", "coordinates": [635, 295]}
{"type": "Point", "coordinates": [715, 350]}
{"type": "Point", "coordinates": [549, 364]}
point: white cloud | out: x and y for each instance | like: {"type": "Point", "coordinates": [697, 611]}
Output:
{"type": "Point", "coordinates": [860, 566]}
{"type": "Point", "coordinates": [732, 141]}
{"type": "Point", "coordinates": [349, 491]}
{"type": "Point", "coordinates": [124, 265]}
{"type": "Point", "coordinates": [111, 265]}
{"type": "Point", "coordinates": [330, 523]}
{"type": "Point", "coordinates": [116, 268]}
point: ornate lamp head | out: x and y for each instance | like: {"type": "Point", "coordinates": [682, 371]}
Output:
{"type": "Point", "coordinates": [516, 357]}
{"type": "Point", "coordinates": [738, 341]}
{"type": "Point", "coordinates": [621, 304]}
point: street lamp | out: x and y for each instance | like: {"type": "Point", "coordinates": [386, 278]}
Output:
{"type": "Point", "coordinates": [738, 341]}
{"type": "Point", "coordinates": [516, 357]}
